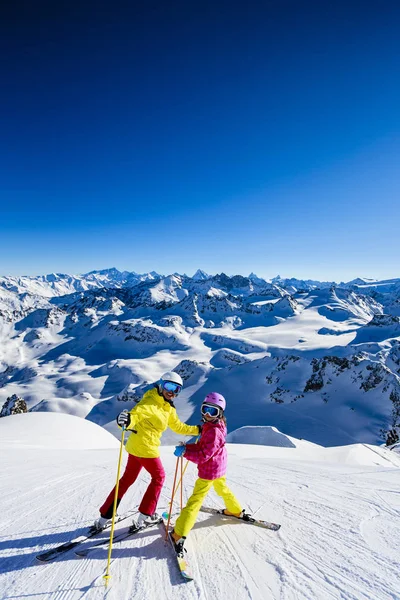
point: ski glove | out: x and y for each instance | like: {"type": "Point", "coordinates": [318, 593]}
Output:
{"type": "Point", "coordinates": [180, 450]}
{"type": "Point", "coordinates": [124, 419]}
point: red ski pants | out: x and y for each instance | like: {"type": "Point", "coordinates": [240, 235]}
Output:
{"type": "Point", "coordinates": [133, 467]}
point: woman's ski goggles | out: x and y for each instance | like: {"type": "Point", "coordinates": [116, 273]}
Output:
{"type": "Point", "coordinates": [170, 386]}
{"type": "Point", "coordinates": [210, 409]}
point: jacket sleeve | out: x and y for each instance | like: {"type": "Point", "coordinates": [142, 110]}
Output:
{"type": "Point", "coordinates": [210, 442]}
{"type": "Point", "coordinates": [176, 425]}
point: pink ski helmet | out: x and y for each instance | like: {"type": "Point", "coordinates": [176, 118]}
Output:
{"type": "Point", "coordinates": [215, 399]}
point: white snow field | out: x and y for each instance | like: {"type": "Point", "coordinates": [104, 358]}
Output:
{"type": "Point", "coordinates": [339, 509]}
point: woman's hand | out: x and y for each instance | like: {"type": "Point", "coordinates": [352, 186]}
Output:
{"type": "Point", "coordinates": [124, 419]}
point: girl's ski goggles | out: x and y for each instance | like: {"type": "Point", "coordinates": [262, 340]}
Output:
{"type": "Point", "coordinates": [210, 409]}
{"type": "Point", "coordinates": [170, 386]}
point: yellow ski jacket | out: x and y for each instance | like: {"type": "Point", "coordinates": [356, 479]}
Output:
{"type": "Point", "coordinates": [149, 419]}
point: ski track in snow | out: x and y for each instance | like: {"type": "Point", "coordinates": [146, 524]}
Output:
{"type": "Point", "coordinates": [337, 541]}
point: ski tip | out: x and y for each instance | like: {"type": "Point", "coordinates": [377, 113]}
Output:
{"type": "Point", "coordinates": [183, 567]}
{"type": "Point", "coordinates": [41, 560]}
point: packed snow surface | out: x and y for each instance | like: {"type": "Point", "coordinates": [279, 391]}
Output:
{"type": "Point", "coordinates": [339, 535]}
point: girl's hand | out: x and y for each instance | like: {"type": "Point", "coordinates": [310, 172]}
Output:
{"type": "Point", "coordinates": [180, 450]}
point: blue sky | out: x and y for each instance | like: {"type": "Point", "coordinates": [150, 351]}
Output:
{"type": "Point", "coordinates": [235, 137]}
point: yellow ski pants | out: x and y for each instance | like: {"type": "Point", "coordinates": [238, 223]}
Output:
{"type": "Point", "coordinates": [187, 518]}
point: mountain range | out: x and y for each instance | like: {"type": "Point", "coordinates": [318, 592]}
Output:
{"type": "Point", "coordinates": [318, 360]}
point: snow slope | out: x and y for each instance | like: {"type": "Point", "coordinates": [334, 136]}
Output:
{"type": "Point", "coordinates": [339, 535]}
{"type": "Point", "coordinates": [53, 431]}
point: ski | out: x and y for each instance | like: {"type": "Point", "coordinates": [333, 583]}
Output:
{"type": "Point", "coordinates": [182, 560]}
{"type": "Point", "coordinates": [118, 538]}
{"type": "Point", "coordinates": [245, 518]}
{"type": "Point", "coordinates": [50, 555]}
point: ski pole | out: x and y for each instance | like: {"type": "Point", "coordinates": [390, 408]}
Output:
{"type": "Point", "coordinates": [107, 573]}
{"type": "Point", "coordinates": [182, 474]}
{"type": "Point", "coordinates": [181, 482]}
{"type": "Point", "coordinates": [172, 498]}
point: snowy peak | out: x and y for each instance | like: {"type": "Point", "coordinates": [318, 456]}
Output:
{"type": "Point", "coordinates": [361, 281]}
{"type": "Point", "coordinates": [257, 280]}
{"type": "Point", "coordinates": [112, 273]}
{"type": "Point", "coordinates": [300, 285]}
{"type": "Point", "coordinates": [200, 275]}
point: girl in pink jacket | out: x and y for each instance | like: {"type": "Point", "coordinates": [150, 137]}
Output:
{"type": "Point", "coordinates": [211, 457]}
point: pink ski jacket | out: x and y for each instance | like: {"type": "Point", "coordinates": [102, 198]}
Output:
{"type": "Point", "coordinates": [209, 453]}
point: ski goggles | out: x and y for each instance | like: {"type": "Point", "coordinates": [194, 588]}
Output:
{"type": "Point", "coordinates": [210, 409]}
{"type": "Point", "coordinates": [170, 386]}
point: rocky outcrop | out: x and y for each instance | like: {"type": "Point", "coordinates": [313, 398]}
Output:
{"type": "Point", "coordinates": [14, 405]}
{"type": "Point", "coordinates": [130, 394]}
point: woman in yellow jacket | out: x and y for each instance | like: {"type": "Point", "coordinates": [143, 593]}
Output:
{"type": "Point", "coordinates": [147, 421]}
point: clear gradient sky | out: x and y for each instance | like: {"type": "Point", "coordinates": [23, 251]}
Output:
{"type": "Point", "coordinates": [175, 135]}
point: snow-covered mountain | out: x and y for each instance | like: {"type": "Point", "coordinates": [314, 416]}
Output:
{"type": "Point", "coordinates": [59, 284]}
{"type": "Point", "coordinates": [200, 275]}
{"type": "Point", "coordinates": [319, 360]}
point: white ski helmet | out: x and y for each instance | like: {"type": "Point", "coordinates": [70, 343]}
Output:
{"type": "Point", "coordinates": [172, 376]}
